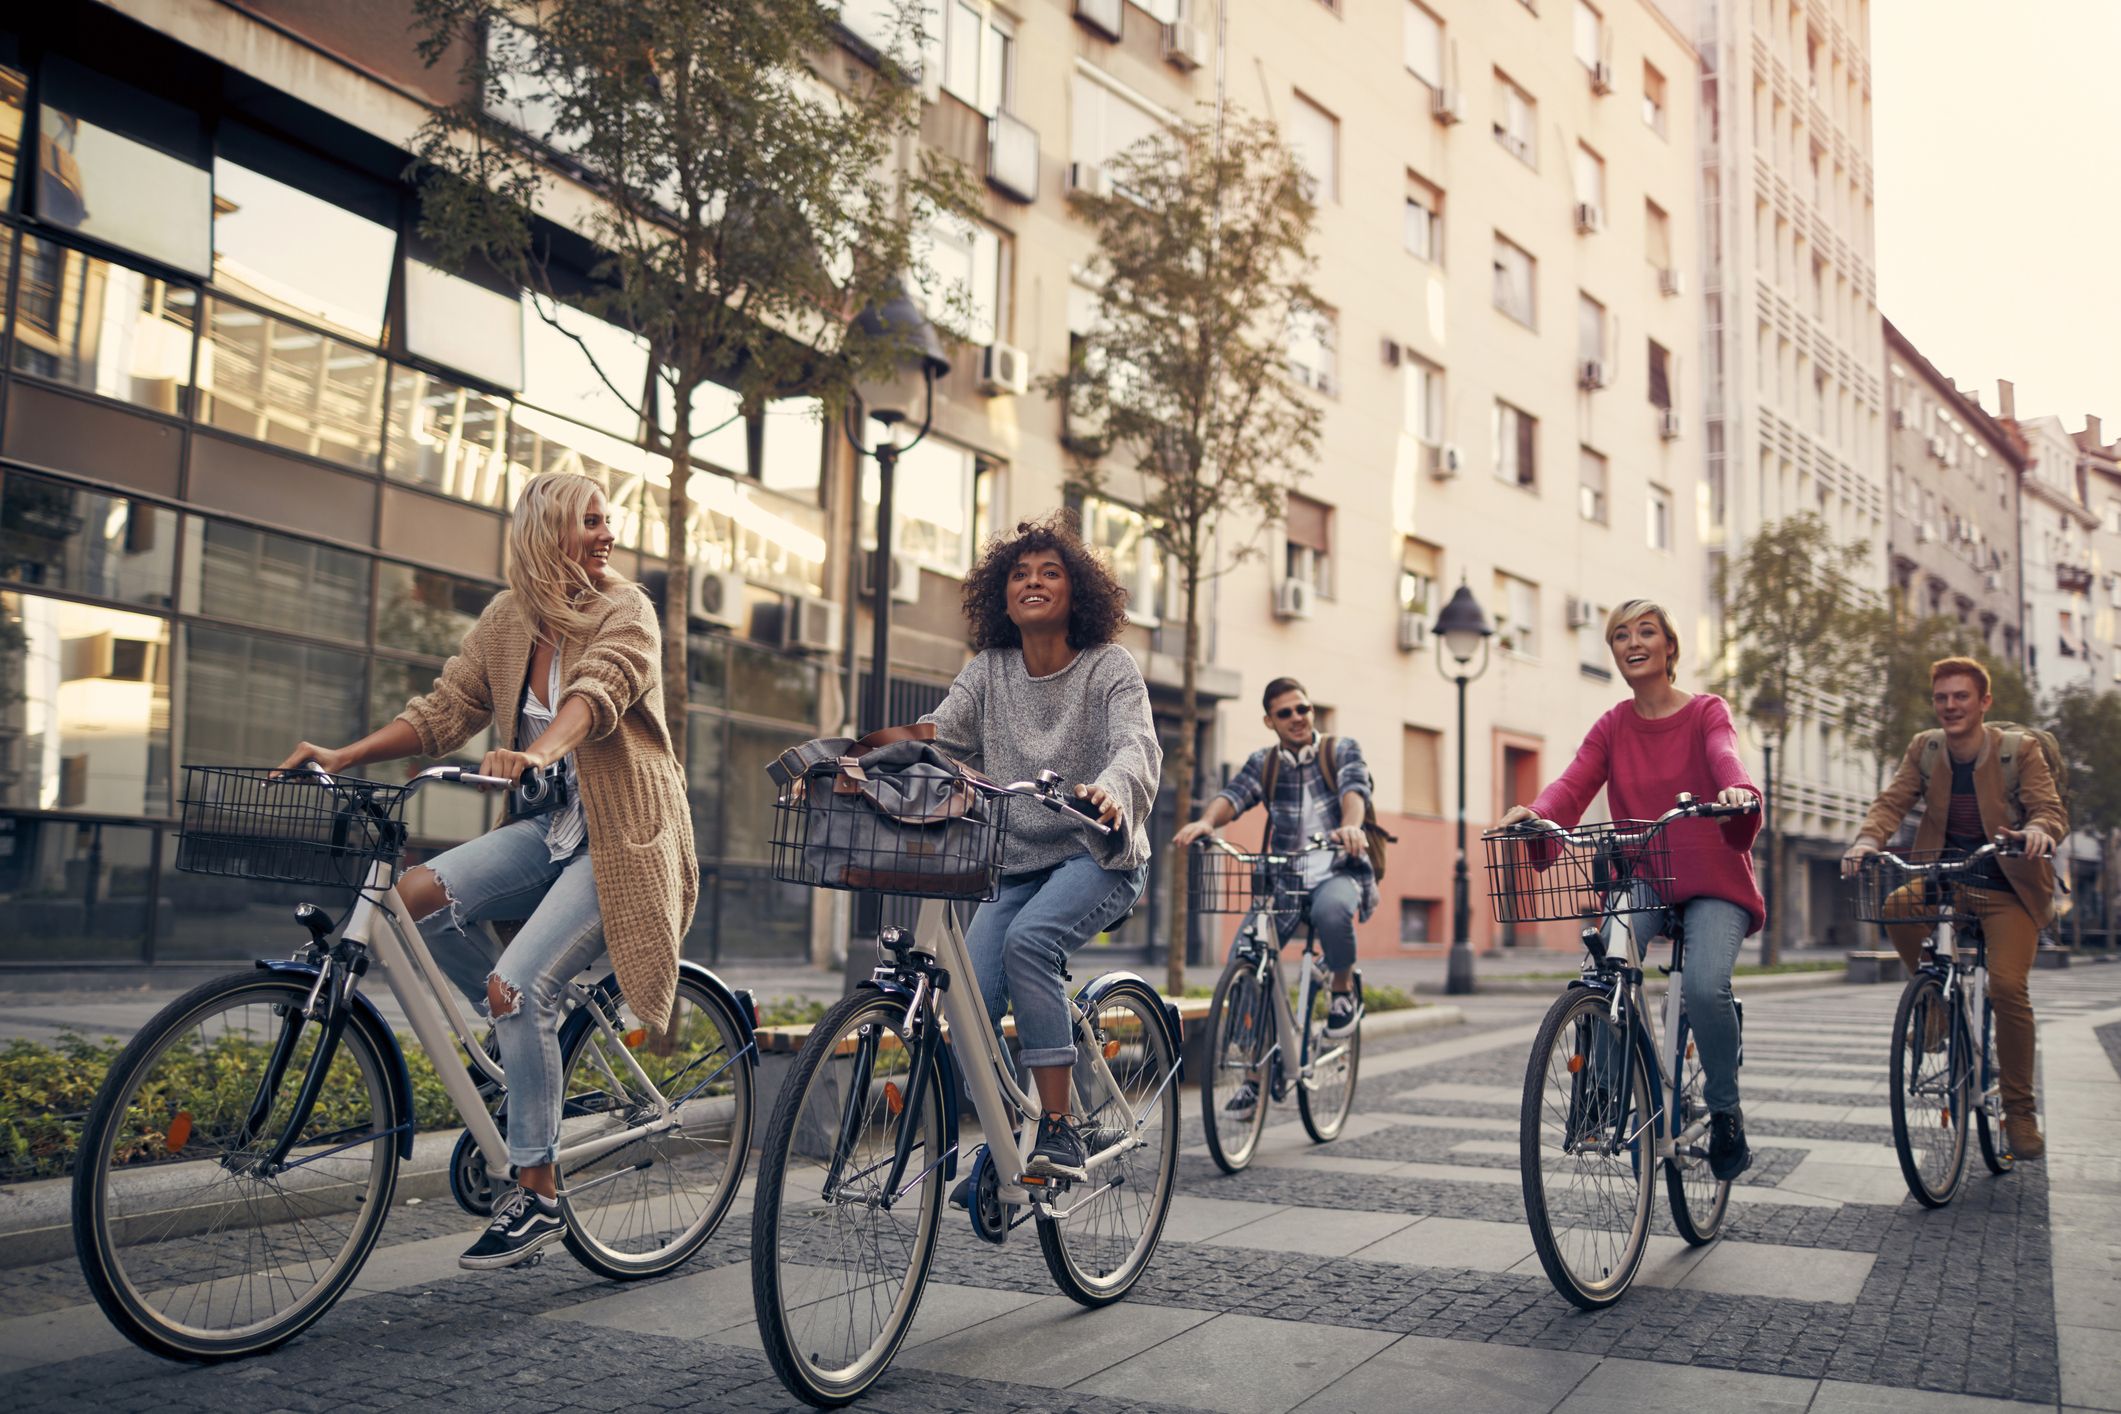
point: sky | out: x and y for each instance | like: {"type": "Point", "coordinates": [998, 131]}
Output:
{"type": "Point", "coordinates": [1996, 142]}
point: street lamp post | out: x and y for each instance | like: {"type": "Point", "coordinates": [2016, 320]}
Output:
{"type": "Point", "coordinates": [1770, 718]}
{"type": "Point", "coordinates": [1462, 630]}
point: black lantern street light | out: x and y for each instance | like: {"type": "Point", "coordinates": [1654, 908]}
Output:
{"type": "Point", "coordinates": [1463, 631]}
{"type": "Point", "coordinates": [890, 402]}
{"type": "Point", "coordinates": [1768, 719]}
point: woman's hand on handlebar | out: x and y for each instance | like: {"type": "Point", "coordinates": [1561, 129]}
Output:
{"type": "Point", "coordinates": [332, 759]}
{"type": "Point", "coordinates": [1108, 811]}
{"type": "Point", "coordinates": [1520, 815]}
{"type": "Point", "coordinates": [511, 765]}
{"type": "Point", "coordinates": [1737, 796]}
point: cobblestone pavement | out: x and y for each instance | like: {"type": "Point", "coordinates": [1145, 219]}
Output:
{"type": "Point", "coordinates": [1389, 1270]}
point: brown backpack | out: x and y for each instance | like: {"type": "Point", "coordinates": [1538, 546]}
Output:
{"type": "Point", "coordinates": [1375, 836]}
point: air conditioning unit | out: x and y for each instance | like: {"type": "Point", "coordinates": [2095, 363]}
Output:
{"type": "Point", "coordinates": [1394, 353]}
{"type": "Point", "coordinates": [1936, 445]}
{"type": "Point", "coordinates": [1994, 580]}
{"type": "Point", "coordinates": [1185, 46]}
{"type": "Point", "coordinates": [1413, 631]}
{"type": "Point", "coordinates": [1577, 612]}
{"type": "Point", "coordinates": [1670, 281]}
{"type": "Point", "coordinates": [1105, 17]}
{"type": "Point", "coordinates": [1925, 533]}
{"type": "Point", "coordinates": [1442, 459]}
{"type": "Point", "coordinates": [1447, 106]}
{"type": "Point", "coordinates": [1590, 374]}
{"type": "Point", "coordinates": [1601, 79]}
{"type": "Point", "coordinates": [1004, 368]}
{"type": "Point", "coordinates": [1091, 179]}
{"type": "Point", "coordinates": [810, 624]}
{"type": "Point", "coordinates": [1292, 599]}
{"type": "Point", "coordinates": [1668, 423]}
{"type": "Point", "coordinates": [1589, 219]}
{"type": "Point", "coordinates": [718, 598]}
{"type": "Point", "coordinates": [905, 577]}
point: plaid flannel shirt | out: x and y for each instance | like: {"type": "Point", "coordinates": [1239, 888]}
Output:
{"type": "Point", "coordinates": [1285, 811]}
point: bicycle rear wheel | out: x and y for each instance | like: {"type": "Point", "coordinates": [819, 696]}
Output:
{"type": "Point", "coordinates": [647, 1207]}
{"type": "Point", "coordinates": [1240, 1029]}
{"type": "Point", "coordinates": [1324, 1100]}
{"type": "Point", "coordinates": [1699, 1199]}
{"type": "Point", "coordinates": [1587, 1151]}
{"type": "Point", "coordinates": [193, 1246]}
{"type": "Point", "coordinates": [837, 1263]}
{"type": "Point", "coordinates": [1995, 1143]}
{"type": "Point", "coordinates": [1100, 1247]}
{"type": "Point", "coordinates": [1932, 1086]}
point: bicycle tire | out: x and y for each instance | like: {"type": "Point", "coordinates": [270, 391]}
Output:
{"type": "Point", "coordinates": [1097, 1254]}
{"type": "Point", "coordinates": [1995, 1141]}
{"type": "Point", "coordinates": [1933, 1182]}
{"type": "Point", "coordinates": [1699, 1200]}
{"type": "Point", "coordinates": [182, 1252]}
{"type": "Point", "coordinates": [1236, 1014]}
{"type": "Point", "coordinates": [1589, 1272]}
{"type": "Point", "coordinates": [651, 1191]}
{"type": "Point", "coordinates": [782, 1232]}
{"type": "Point", "coordinates": [1324, 1109]}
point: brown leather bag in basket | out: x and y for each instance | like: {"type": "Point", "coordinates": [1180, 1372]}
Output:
{"type": "Point", "coordinates": [890, 813]}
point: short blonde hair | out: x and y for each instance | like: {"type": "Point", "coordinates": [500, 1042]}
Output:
{"type": "Point", "coordinates": [550, 586]}
{"type": "Point", "coordinates": [1634, 609]}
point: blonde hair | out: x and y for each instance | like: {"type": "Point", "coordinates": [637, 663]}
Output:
{"type": "Point", "coordinates": [549, 583]}
{"type": "Point", "coordinates": [1634, 609]}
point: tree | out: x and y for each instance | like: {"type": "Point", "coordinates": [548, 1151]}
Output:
{"type": "Point", "coordinates": [745, 199]}
{"type": "Point", "coordinates": [2087, 726]}
{"type": "Point", "coordinates": [1798, 633]}
{"type": "Point", "coordinates": [1202, 265]}
{"type": "Point", "coordinates": [1907, 649]}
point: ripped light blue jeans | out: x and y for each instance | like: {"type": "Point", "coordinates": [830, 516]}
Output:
{"type": "Point", "coordinates": [1020, 944]}
{"type": "Point", "coordinates": [505, 875]}
{"type": "Point", "coordinates": [1715, 929]}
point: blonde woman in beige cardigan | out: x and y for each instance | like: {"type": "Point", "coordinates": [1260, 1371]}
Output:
{"type": "Point", "coordinates": [565, 663]}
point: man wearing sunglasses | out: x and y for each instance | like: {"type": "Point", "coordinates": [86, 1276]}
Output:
{"type": "Point", "coordinates": [1306, 796]}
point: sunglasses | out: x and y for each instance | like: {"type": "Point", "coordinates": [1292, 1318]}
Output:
{"type": "Point", "coordinates": [1301, 709]}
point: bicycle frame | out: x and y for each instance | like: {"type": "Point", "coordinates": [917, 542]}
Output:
{"type": "Point", "coordinates": [1289, 1037]}
{"type": "Point", "coordinates": [1963, 974]}
{"type": "Point", "coordinates": [1629, 1012]}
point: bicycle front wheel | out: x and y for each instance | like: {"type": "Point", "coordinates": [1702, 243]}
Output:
{"type": "Point", "coordinates": [1240, 1029]}
{"type": "Point", "coordinates": [1932, 1086]}
{"type": "Point", "coordinates": [1586, 1151]}
{"type": "Point", "coordinates": [195, 1246]}
{"type": "Point", "coordinates": [1110, 1225]}
{"type": "Point", "coordinates": [1699, 1199]}
{"type": "Point", "coordinates": [646, 1207]}
{"type": "Point", "coordinates": [838, 1259]}
{"type": "Point", "coordinates": [1324, 1098]}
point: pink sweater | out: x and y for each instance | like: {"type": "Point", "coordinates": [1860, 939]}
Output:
{"type": "Point", "coordinates": [1643, 765]}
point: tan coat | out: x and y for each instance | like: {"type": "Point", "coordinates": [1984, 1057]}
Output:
{"type": "Point", "coordinates": [633, 792]}
{"type": "Point", "coordinates": [2038, 804]}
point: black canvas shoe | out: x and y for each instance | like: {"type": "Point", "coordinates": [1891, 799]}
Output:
{"type": "Point", "coordinates": [1059, 1151]}
{"type": "Point", "coordinates": [1341, 1016]}
{"type": "Point", "coordinates": [1241, 1104]}
{"type": "Point", "coordinates": [522, 1223]}
{"type": "Point", "coordinates": [1728, 1154]}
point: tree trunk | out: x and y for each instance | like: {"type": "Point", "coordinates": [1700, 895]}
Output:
{"type": "Point", "coordinates": [677, 583]}
{"type": "Point", "coordinates": [1181, 775]}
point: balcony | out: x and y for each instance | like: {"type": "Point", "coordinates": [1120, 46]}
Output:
{"type": "Point", "coordinates": [1012, 157]}
{"type": "Point", "coordinates": [2073, 579]}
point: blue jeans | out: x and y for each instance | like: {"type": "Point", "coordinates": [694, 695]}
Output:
{"type": "Point", "coordinates": [509, 874]}
{"type": "Point", "coordinates": [1715, 929]}
{"type": "Point", "coordinates": [1334, 904]}
{"type": "Point", "coordinates": [1021, 941]}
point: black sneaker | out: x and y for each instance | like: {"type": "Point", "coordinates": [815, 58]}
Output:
{"type": "Point", "coordinates": [1059, 1151]}
{"type": "Point", "coordinates": [522, 1223]}
{"type": "Point", "coordinates": [1341, 1016]}
{"type": "Point", "coordinates": [1246, 1100]}
{"type": "Point", "coordinates": [1728, 1154]}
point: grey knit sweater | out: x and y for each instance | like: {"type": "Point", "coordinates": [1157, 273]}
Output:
{"type": "Point", "coordinates": [1090, 722]}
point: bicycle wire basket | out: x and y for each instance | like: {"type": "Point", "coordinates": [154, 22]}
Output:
{"type": "Point", "coordinates": [255, 822]}
{"type": "Point", "coordinates": [1892, 892]}
{"type": "Point", "coordinates": [1542, 876]}
{"type": "Point", "coordinates": [912, 834]}
{"type": "Point", "coordinates": [1218, 882]}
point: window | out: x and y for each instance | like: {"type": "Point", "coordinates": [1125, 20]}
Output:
{"type": "Point", "coordinates": [1423, 235]}
{"type": "Point", "coordinates": [1422, 43]}
{"type": "Point", "coordinates": [442, 815]}
{"type": "Point", "coordinates": [102, 328]}
{"type": "Point", "coordinates": [1660, 518]}
{"type": "Point", "coordinates": [1516, 120]}
{"type": "Point", "coordinates": [1657, 235]}
{"type": "Point", "coordinates": [273, 581]}
{"type": "Point", "coordinates": [98, 177]}
{"type": "Point", "coordinates": [1660, 376]}
{"type": "Point", "coordinates": [281, 247]}
{"type": "Point", "coordinates": [1422, 410]}
{"type": "Point", "coordinates": [83, 542]}
{"type": "Point", "coordinates": [1653, 98]}
{"type": "Point", "coordinates": [585, 369]}
{"type": "Point", "coordinates": [86, 720]}
{"type": "Point", "coordinates": [1313, 334]}
{"type": "Point", "coordinates": [1136, 559]}
{"type": "Point", "coordinates": [420, 611]}
{"type": "Point", "coordinates": [447, 438]}
{"type": "Point", "coordinates": [1417, 921]}
{"type": "Point", "coordinates": [961, 276]}
{"type": "Point", "coordinates": [1515, 281]}
{"type": "Point", "coordinates": [1420, 565]}
{"type": "Point", "coordinates": [1591, 486]}
{"type": "Point", "coordinates": [1516, 435]}
{"type": "Point", "coordinates": [1314, 134]}
{"type": "Point", "coordinates": [247, 696]}
{"type": "Point", "coordinates": [464, 324]}
{"type": "Point", "coordinates": [977, 55]}
{"type": "Point", "coordinates": [1308, 531]}
{"type": "Point", "coordinates": [290, 386]}
{"type": "Point", "coordinates": [1590, 333]}
{"type": "Point", "coordinates": [931, 500]}
{"type": "Point", "coordinates": [1589, 35]}
{"type": "Point", "coordinates": [14, 99]}
{"type": "Point", "coordinates": [1420, 771]}
{"type": "Point", "coordinates": [1518, 623]}
{"type": "Point", "coordinates": [1590, 178]}
{"type": "Point", "coordinates": [1104, 122]}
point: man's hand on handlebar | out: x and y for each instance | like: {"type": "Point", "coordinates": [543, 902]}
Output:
{"type": "Point", "coordinates": [1349, 840]}
{"type": "Point", "coordinates": [1191, 831]}
{"type": "Point", "coordinates": [1108, 811]}
{"type": "Point", "coordinates": [1852, 861]}
{"type": "Point", "coordinates": [2037, 843]}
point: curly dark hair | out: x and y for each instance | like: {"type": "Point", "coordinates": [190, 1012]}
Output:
{"type": "Point", "coordinates": [1097, 603]}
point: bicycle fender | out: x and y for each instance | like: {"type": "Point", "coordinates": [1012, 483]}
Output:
{"type": "Point", "coordinates": [946, 1062]}
{"type": "Point", "coordinates": [1096, 989]}
{"type": "Point", "coordinates": [396, 1072]}
{"type": "Point", "coordinates": [740, 1003]}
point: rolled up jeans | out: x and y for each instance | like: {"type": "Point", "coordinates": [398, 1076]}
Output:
{"type": "Point", "coordinates": [504, 875]}
{"type": "Point", "coordinates": [1020, 943]}
{"type": "Point", "coordinates": [1715, 929]}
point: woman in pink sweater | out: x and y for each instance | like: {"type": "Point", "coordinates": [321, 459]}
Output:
{"type": "Point", "coordinates": [1644, 753]}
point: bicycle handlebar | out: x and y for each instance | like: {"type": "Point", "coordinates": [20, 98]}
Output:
{"type": "Point", "coordinates": [1994, 849]}
{"type": "Point", "coordinates": [1686, 808]}
{"type": "Point", "coordinates": [1053, 792]}
{"type": "Point", "coordinates": [1319, 840]}
{"type": "Point", "coordinates": [455, 775]}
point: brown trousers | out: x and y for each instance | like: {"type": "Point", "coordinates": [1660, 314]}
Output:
{"type": "Point", "coordinates": [2012, 940]}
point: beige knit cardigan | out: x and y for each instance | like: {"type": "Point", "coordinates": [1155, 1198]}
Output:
{"type": "Point", "coordinates": [633, 792]}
